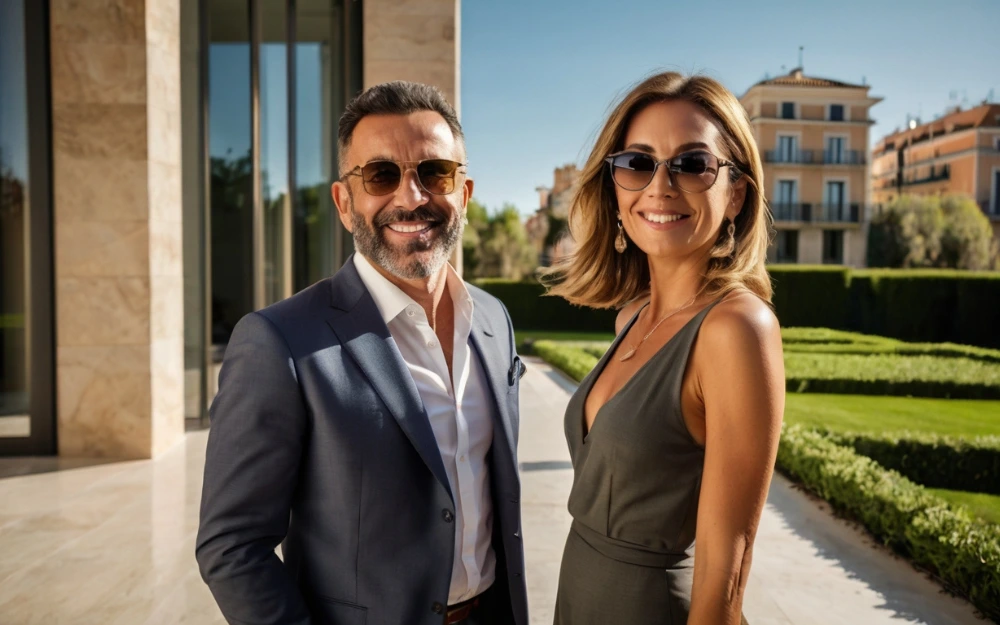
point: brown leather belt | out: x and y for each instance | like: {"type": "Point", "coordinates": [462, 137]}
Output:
{"type": "Point", "coordinates": [461, 611]}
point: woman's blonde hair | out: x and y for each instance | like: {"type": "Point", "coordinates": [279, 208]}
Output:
{"type": "Point", "coordinates": [595, 274]}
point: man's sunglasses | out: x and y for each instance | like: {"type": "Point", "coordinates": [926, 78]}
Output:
{"type": "Point", "coordinates": [437, 176]}
{"type": "Point", "coordinates": [691, 172]}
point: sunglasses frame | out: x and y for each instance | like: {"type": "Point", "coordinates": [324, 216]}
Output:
{"type": "Point", "coordinates": [405, 166]}
{"type": "Point", "coordinates": [610, 160]}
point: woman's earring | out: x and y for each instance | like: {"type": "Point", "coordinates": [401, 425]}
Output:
{"type": "Point", "coordinates": [620, 243]}
{"type": "Point", "coordinates": [731, 230]}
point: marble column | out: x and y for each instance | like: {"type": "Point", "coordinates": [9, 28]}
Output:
{"type": "Point", "coordinates": [117, 216]}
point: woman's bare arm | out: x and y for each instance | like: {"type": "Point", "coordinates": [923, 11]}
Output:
{"type": "Point", "coordinates": [742, 384]}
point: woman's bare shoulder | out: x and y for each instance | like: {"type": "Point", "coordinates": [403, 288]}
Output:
{"type": "Point", "coordinates": [741, 319]}
{"type": "Point", "coordinates": [626, 313]}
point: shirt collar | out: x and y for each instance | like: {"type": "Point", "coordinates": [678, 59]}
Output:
{"type": "Point", "coordinates": [391, 300]}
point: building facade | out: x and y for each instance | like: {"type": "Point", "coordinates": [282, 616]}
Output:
{"type": "Point", "coordinates": [813, 138]}
{"type": "Point", "coordinates": [956, 153]}
{"type": "Point", "coordinates": [165, 169]}
{"type": "Point", "coordinates": [553, 212]}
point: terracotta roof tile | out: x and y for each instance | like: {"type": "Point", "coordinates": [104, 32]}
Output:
{"type": "Point", "coordinates": [796, 78]}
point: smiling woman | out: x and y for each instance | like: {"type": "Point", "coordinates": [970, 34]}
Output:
{"type": "Point", "coordinates": [674, 432]}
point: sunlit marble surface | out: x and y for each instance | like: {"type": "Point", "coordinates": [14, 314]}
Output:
{"type": "Point", "coordinates": [108, 544]}
{"type": "Point", "coordinates": [113, 544]}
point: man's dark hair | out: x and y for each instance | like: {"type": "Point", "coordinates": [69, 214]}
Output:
{"type": "Point", "coordinates": [394, 98]}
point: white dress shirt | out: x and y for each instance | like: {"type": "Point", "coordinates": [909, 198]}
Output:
{"type": "Point", "coordinates": [461, 412]}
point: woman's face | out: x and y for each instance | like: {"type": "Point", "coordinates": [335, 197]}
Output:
{"type": "Point", "coordinates": [662, 219]}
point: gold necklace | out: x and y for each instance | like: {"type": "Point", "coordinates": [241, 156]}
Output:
{"type": "Point", "coordinates": [632, 350]}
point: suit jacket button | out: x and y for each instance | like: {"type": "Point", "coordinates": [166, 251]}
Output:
{"type": "Point", "coordinates": [448, 515]}
{"type": "Point", "coordinates": [437, 608]}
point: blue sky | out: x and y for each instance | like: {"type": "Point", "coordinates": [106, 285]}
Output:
{"type": "Point", "coordinates": [537, 77]}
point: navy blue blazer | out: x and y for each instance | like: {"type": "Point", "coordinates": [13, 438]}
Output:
{"type": "Point", "coordinates": [319, 442]}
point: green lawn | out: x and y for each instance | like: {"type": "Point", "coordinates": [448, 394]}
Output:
{"type": "Point", "coordinates": [865, 413]}
{"type": "Point", "coordinates": [985, 507]}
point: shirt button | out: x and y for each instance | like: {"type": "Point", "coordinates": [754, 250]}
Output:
{"type": "Point", "coordinates": [447, 515]}
{"type": "Point", "coordinates": [410, 312]}
{"type": "Point", "coordinates": [437, 608]}
{"type": "Point", "coordinates": [431, 344]}
{"type": "Point", "coordinates": [461, 458]}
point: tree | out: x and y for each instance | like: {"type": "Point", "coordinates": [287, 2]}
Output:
{"type": "Point", "coordinates": [967, 240]}
{"type": "Point", "coordinates": [507, 249]}
{"type": "Point", "coordinates": [496, 246]}
{"type": "Point", "coordinates": [931, 231]}
{"type": "Point", "coordinates": [472, 238]}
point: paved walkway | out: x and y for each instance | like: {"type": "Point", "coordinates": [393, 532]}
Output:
{"type": "Point", "coordinates": [809, 568]}
{"type": "Point", "coordinates": [113, 544]}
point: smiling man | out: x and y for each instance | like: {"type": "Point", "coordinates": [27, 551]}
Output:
{"type": "Point", "coordinates": [369, 423]}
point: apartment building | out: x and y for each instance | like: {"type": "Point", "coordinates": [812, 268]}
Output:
{"type": "Point", "coordinates": [956, 153]}
{"type": "Point", "coordinates": [813, 136]}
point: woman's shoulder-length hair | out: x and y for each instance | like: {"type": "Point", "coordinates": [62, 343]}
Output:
{"type": "Point", "coordinates": [596, 275]}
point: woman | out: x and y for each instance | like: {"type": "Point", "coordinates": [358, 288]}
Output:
{"type": "Point", "coordinates": [674, 433]}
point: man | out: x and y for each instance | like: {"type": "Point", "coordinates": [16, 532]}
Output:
{"type": "Point", "coordinates": [369, 423]}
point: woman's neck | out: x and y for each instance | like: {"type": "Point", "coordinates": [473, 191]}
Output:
{"type": "Point", "coordinates": [674, 283]}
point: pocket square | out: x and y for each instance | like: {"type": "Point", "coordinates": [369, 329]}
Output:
{"type": "Point", "coordinates": [517, 368]}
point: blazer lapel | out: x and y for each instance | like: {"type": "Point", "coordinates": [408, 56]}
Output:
{"type": "Point", "coordinates": [367, 339]}
{"type": "Point", "coordinates": [497, 370]}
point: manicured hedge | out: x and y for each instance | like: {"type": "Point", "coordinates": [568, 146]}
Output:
{"type": "Point", "coordinates": [530, 310]}
{"type": "Point", "coordinates": [963, 552]}
{"type": "Point", "coordinates": [931, 460]}
{"type": "Point", "coordinates": [843, 374]}
{"type": "Point", "coordinates": [913, 305]}
{"type": "Point", "coordinates": [928, 306]}
{"type": "Point", "coordinates": [574, 361]}
{"type": "Point", "coordinates": [806, 295]}
{"type": "Point", "coordinates": [891, 374]}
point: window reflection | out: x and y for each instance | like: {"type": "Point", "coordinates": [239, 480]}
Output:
{"type": "Point", "coordinates": [230, 166]}
{"type": "Point", "coordinates": [14, 209]}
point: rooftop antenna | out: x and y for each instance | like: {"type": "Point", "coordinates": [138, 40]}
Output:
{"type": "Point", "coordinates": [864, 80]}
{"type": "Point", "coordinates": [800, 57]}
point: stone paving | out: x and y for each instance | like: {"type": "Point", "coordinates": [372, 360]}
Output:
{"type": "Point", "coordinates": [113, 544]}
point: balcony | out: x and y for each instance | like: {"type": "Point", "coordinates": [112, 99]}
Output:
{"type": "Point", "coordinates": [935, 174]}
{"type": "Point", "coordinates": [815, 157]}
{"type": "Point", "coordinates": [838, 213]}
{"type": "Point", "coordinates": [844, 157]}
{"type": "Point", "coordinates": [817, 213]}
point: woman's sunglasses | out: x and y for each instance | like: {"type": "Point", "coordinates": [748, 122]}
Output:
{"type": "Point", "coordinates": [691, 172]}
{"type": "Point", "coordinates": [437, 176]}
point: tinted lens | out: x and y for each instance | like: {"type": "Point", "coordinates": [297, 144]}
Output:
{"type": "Point", "coordinates": [633, 170]}
{"type": "Point", "coordinates": [694, 171]}
{"type": "Point", "coordinates": [381, 177]}
{"type": "Point", "coordinates": [438, 175]}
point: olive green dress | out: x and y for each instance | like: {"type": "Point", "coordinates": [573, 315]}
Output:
{"type": "Point", "coordinates": [629, 558]}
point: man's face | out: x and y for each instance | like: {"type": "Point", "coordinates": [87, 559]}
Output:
{"type": "Point", "coordinates": [410, 233]}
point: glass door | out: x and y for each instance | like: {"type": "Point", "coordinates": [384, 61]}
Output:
{"type": "Point", "coordinates": [263, 85]}
{"type": "Point", "coordinates": [26, 364]}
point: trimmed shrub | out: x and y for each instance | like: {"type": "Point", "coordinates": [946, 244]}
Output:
{"type": "Point", "coordinates": [572, 360]}
{"type": "Point", "coordinates": [963, 552]}
{"type": "Point", "coordinates": [530, 310]}
{"type": "Point", "coordinates": [891, 374]}
{"type": "Point", "coordinates": [807, 295]}
{"type": "Point", "coordinates": [915, 305]}
{"type": "Point", "coordinates": [933, 461]}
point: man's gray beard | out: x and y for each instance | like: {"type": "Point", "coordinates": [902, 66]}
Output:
{"type": "Point", "coordinates": [371, 242]}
